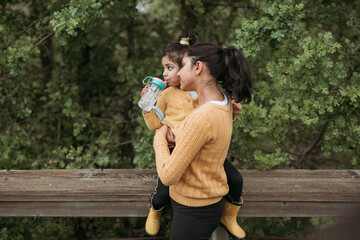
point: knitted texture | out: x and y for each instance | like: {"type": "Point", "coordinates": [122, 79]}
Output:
{"type": "Point", "coordinates": [176, 105]}
{"type": "Point", "coordinates": [194, 171]}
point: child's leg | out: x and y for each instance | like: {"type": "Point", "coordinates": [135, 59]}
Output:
{"type": "Point", "coordinates": [233, 202]}
{"type": "Point", "coordinates": [235, 182]}
{"type": "Point", "coordinates": [160, 198]}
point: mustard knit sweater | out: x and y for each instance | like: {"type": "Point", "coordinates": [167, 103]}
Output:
{"type": "Point", "coordinates": [176, 105]}
{"type": "Point", "coordinates": [194, 171]}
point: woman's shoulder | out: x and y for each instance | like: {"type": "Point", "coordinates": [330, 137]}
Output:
{"type": "Point", "coordinates": [212, 111]}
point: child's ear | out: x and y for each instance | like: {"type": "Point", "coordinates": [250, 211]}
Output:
{"type": "Point", "coordinates": [199, 66]}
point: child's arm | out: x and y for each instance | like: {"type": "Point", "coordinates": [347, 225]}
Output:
{"type": "Point", "coordinates": [151, 119]}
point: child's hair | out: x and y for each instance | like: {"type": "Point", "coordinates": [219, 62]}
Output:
{"type": "Point", "coordinates": [175, 51]}
{"type": "Point", "coordinates": [229, 67]}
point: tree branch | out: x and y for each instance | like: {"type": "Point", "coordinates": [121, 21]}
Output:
{"type": "Point", "coordinates": [288, 151]}
{"type": "Point", "coordinates": [59, 130]}
{"type": "Point", "coordinates": [33, 126]}
{"type": "Point", "coordinates": [232, 5]}
{"type": "Point", "coordinates": [130, 141]}
{"type": "Point", "coordinates": [28, 27]}
{"type": "Point", "coordinates": [350, 73]}
{"type": "Point", "coordinates": [46, 37]}
{"type": "Point", "coordinates": [312, 145]}
{"type": "Point", "coordinates": [357, 47]}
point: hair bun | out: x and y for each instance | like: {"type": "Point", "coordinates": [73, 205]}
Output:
{"type": "Point", "coordinates": [187, 39]}
{"type": "Point", "coordinates": [184, 41]}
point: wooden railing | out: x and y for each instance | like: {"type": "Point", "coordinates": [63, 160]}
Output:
{"type": "Point", "coordinates": [124, 193]}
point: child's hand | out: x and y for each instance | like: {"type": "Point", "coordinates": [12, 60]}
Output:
{"type": "Point", "coordinates": [236, 109]}
{"type": "Point", "coordinates": [145, 89]}
{"type": "Point", "coordinates": [170, 137]}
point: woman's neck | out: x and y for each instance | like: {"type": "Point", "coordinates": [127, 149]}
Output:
{"type": "Point", "coordinates": [209, 92]}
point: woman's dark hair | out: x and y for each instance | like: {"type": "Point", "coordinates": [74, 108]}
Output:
{"type": "Point", "coordinates": [175, 51]}
{"type": "Point", "coordinates": [229, 67]}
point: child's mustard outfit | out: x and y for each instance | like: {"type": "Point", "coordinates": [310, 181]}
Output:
{"type": "Point", "coordinates": [176, 105]}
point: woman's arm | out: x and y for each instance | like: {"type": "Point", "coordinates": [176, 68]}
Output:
{"type": "Point", "coordinates": [191, 139]}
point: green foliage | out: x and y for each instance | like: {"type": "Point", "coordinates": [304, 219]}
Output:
{"type": "Point", "coordinates": [76, 16]}
{"type": "Point", "coordinates": [69, 228]}
{"type": "Point", "coordinates": [301, 115]}
{"type": "Point", "coordinates": [279, 20]}
{"type": "Point", "coordinates": [145, 156]}
{"type": "Point", "coordinates": [197, 4]}
{"type": "Point", "coordinates": [70, 79]}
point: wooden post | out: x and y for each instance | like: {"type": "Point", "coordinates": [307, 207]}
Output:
{"type": "Point", "coordinates": [219, 234]}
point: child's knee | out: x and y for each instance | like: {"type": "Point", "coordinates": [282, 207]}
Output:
{"type": "Point", "coordinates": [236, 180]}
{"type": "Point", "coordinates": [163, 195]}
{"type": "Point", "coordinates": [160, 199]}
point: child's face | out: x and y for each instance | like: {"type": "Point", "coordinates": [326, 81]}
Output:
{"type": "Point", "coordinates": [170, 72]}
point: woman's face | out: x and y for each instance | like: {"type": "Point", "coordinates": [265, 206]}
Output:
{"type": "Point", "coordinates": [186, 75]}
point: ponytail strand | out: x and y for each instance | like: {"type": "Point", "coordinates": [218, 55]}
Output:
{"type": "Point", "coordinates": [237, 80]}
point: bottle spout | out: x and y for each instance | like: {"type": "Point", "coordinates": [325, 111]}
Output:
{"type": "Point", "coordinates": [158, 80]}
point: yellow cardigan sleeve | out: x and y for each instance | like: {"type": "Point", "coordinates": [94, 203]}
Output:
{"type": "Point", "coordinates": [152, 121]}
{"type": "Point", "coordinates": [191, 139]}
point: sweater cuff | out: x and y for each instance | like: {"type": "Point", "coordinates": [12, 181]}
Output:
{"type": "Point", "coordinates": [160, 139]}
{"type": "Point", "coordinates": [147, 114]}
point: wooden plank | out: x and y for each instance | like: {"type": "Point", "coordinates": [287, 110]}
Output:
{"type": "Point", "coordinates": [124, 192]}
{"type": "Point", "coordinates": [132, 185]}
{"type": "Point", "coordinates": [139, 209]}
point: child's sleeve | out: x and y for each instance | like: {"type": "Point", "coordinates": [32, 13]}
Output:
{"type": "Point", "coordinates": [152, 121]}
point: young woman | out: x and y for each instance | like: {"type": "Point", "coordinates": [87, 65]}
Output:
{"type": "Point", "coordinates": [176, 106]}
{"type": "Point", "coordinates": [195, 169]}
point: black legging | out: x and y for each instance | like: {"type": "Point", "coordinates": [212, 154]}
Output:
{"type": "Point", "coordinates": [235, 182]}
{"type": "Point", "coordinates": [161, 196]}
{"type": "Point", "coordinates": [195, 223]}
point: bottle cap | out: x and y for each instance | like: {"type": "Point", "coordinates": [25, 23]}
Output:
{"type": "Point", "coordinates": [159, 82]}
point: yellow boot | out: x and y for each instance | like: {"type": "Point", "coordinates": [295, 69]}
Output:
{"type": "Point", "coordinates": [152, 225]}
{"type": "Point", "coordinates": [228, 220]}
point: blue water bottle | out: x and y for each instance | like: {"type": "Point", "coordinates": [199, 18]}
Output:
{"type": "Point", "coordinates": [149, 98]}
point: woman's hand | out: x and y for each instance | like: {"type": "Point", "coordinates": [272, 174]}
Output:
{"type": "Point", "coordinates": [163, 128]}
{"type": "Point", "coordinates": [170, 138]}
{"type": "Point", "coordinates": [236, 109]}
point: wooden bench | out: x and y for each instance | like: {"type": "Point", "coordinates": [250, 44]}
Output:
{"type": "Point", "coordinates": [125, 192]}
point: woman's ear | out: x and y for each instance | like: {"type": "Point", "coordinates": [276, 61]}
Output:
{"type": "Point", "coordinates": [199, 66]}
